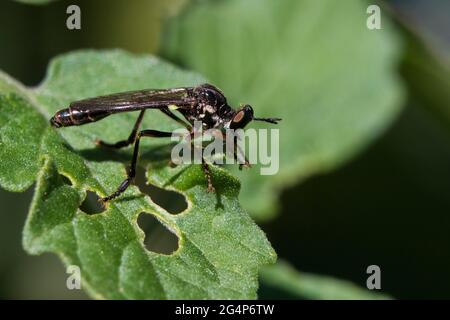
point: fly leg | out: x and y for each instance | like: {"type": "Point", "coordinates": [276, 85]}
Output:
{"type": "Point", "coordinates": [207, 172]}
{"type": "Point", "coordinates": [124, 143]}
{"type": "Point", "coordinates": [132, 172]}
{"type": "Point", "coordinates": [246, 163]}
{"type": "Point", "coordinates": [170, 114]}
{"type": "Point", "coordinates": [238, 151]}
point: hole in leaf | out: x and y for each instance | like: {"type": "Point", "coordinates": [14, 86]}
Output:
{"type": "Point", "coordinates": [172, 201]}
{"type": "Point", "coordinates": [91, 204]}
{"type": "Point", "coordinates": [158, 238]}
{"type": "Point", "coordinates": [65, 180]}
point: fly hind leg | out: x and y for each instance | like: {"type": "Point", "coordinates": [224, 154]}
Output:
{"type": "Point", "coordinates": [207, 172]}
{"type": "Point", "coordinates": [124, 143]}
{"type": "Point", "coordinates": [132, 171]}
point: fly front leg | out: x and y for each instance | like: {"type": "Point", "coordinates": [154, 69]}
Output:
{"type": "Point", "coordinates": [124, 143]}
{"type": "Point", "coordinates": [238, 151]}
{"type": "Point", "coordinates": [171, 115]}
{"type": "Point", "coordinates": [132, 171]}
{"type": "Point", "coordinates": [246, 163]}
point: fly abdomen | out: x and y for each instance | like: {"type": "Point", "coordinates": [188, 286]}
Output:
{"type": "Point", "coordinates": [75, 117]}
{"type": "Point", "coordinates": [62, 118]}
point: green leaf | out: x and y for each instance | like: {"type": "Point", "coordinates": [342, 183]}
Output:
{"type": "Point", "coordinates": [310, 286]}
{"type": "Point", "coordinates": [427, 73]}
{"type": "Point", "coordinates": [220, 248]}
{"type": "Point", "coordinates": [312, 63]}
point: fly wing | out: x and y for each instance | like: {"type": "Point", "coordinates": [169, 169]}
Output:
{"type": "Point", "coordinates": [136, 100]}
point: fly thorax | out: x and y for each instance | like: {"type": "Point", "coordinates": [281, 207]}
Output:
{"type": "Point", "coordinates": [208, 115]}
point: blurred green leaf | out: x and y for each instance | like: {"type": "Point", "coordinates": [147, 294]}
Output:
{"type": "Point", "coordinates": [220, 248]}
{"type": "Point", "coordinates": [37, 2]}
{"type": "Point", "coordinates": [310, 286]}
{"type": "Point", "coordinates": [313, 63]}
{"type": "Point", "coordinates": [427, 73]}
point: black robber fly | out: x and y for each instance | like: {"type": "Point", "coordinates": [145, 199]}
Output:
{"type": "Point", "coordinates": [204, 103]}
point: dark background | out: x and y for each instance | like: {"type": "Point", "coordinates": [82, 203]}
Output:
{"type": "Point", "coordinates": [389, 206]}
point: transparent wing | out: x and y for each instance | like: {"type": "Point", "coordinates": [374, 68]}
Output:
{"type": "Point", "coordinates": [136, 100]}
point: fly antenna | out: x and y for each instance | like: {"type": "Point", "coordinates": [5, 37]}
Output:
{"type": "Point", "coordinates": [270, 120]}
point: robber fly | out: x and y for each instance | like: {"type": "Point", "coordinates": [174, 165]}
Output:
{"type": "Point", "coordinates": [204, 103]}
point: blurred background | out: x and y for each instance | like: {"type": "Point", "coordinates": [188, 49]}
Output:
{"type": "Point", "coordinates": [365, 157]}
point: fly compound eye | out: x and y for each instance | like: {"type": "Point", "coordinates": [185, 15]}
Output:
{"type": "Point", "coordinates": [242, 117]}
{"type": "Point", "coordinates": [239, 116]}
